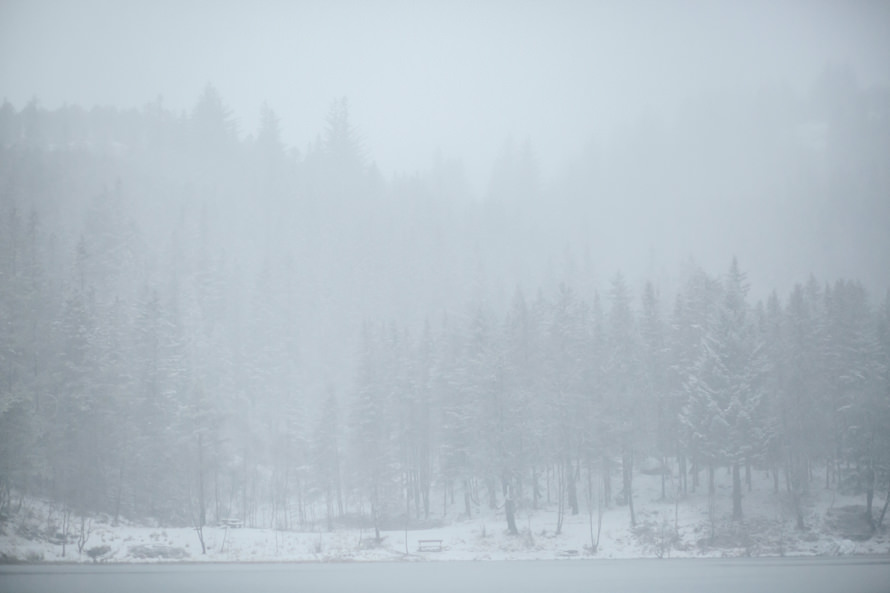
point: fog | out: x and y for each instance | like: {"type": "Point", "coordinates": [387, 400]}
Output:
{"type": "Point", "coordinates": [321, 246]}
{"type": "Point", "coordinates": [459, 80]}
{"type": "Point", "coordinates": [421, 76]}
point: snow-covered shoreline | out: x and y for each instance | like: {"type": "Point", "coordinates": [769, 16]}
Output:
{"type": "Point", "coordinates": [664, 530]}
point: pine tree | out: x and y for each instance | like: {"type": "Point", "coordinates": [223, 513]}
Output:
{"type": "Point", "coordinates": [25, 351]}
{"type": "Point", "coordinates": [522, 371]}
{"type": "Point", "coordinates": [656, 391]}
{"type": "Point", "coordinates": [456, 414]}
{"type": "Point", "coordinates": [566, 360]}
{"type": "Point", "coordinates": [212, 126]}
{"type": "Point", "coordinates": [77, 455]}
{"type": "Point", "coordinates": [693, 311]}
{"type": "Point", "coordinates": [857, 394]}
{"type": "Point", "coordinates": [482, 392]}
{"type": "Point", "coordinates": [622, 374]}
{"type": "Point", "coordinates": [344, 160]}
{"type": "Point", "coordinates": [726, 409]}
{"type": "Point", "coordinates": [326, 457]}
{"type": "Point", "coordinates": [372, 460]}
{"type": "Point", "coordinates": [801, 414]}
{"type": "Point", "coordinates": [770, 324]}
{"type": "Point", "coordinates": [600, 434]}
{"type": "Point", "coordinates": [881, 412]}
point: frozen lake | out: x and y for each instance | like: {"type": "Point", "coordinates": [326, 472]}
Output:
{"type": "Point", "coordinates": [810, 575]}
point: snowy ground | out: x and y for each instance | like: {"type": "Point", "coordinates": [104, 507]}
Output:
{"type": "Point", "coordinates": [833, 523]}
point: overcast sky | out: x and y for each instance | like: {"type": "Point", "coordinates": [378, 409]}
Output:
{"type": "Point", "coordinates": [459, 76]}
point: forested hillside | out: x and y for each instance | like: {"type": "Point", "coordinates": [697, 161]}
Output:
{"type": "Point", "coordinates": [198, 323]}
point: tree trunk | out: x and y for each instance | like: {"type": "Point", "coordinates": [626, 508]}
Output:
{"type": "Point", "coordinates": [339, 484]}
{"type": "Point", "coordinates": [510, 509]}
{"type": "Point", "coordinates": [66, 520]}
{"type": "Point", "coordinates": [797, 512]}
{"type": "Point", "coordinates": [736, 492]}
{"type": "Point", "coordinates": [607, 480]}
{"type": "Point", "coordinates": [712, 511]}
{"type": "Point", "coordinates": [492, 493]}
{"type": "Point", "coordinates": [285, 493]}
{"type": "Point", "coordinates": [560, 496]}
{"type": "Point", "coordinates": [117, 498]}
{"type": "Point", "coordinates": [683, 474]}
{"type": "Point", "coordinates": [627, 468]}
{"type": "Point", "coordinates": [594, 540]}
{"type": "Point", "coordinates": [329, 507]}
{"type": "Point", "coordinates": [202, 510]}
{"type": "Point", "coordinates": [216, 503]}
{"type": "Point", "coordinates": [520, 490]}
{"type": "Point", "coordinates": [663, 468]}
{"type": "Point", "coordinates": [467, 507]}
{"type": "Point", "coordinates": [375, 513]}
{"type": "Point", "coordinates": [301, 506]}
{"type": "Point", "coordinates": [884, 510]}
{"type": "Point", "coordinates": [407, 519]}
{"type": "Point", "coordinates": [590, 507]}
{"type": "Point", "coordinates": [869, 495]}
{"type": "Point", "coordinates": [425, 486]}
{"type": "Point", "coordinates": [572, 488]}
{"type": "Point", "coordinates": [417, 493]}
{"type": "Point", "coordinates": [200, 532]}
{"type": "Point", "coordinates": [547, 475]}
{"type": "Point", "coordinates": [837, 466]}
{"type": "Point", "coordinates": [246, 478]}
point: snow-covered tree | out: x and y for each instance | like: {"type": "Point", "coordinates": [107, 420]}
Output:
{"type": "Point", "coordinates": [623, 370]}
{"type": "Point", "coordinates": [725, 412]}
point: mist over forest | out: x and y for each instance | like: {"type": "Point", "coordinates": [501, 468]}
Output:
{"type": "Point", "coordinates": [201, 319]}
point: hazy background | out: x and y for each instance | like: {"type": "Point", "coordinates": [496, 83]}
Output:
{"type": "Point", "coordinates": [459, 76]}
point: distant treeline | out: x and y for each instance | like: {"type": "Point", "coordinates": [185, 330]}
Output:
{"type": "Point", "coordinates": [196, 326]}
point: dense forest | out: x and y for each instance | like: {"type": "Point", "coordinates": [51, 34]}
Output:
{"type": "Point", "coordinates": [198, 324]}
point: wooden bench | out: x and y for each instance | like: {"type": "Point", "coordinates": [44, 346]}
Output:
{"type": "Point", "coordinates": [233, 523]}
{"type": "Point", "coordinates": [429, 545]}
